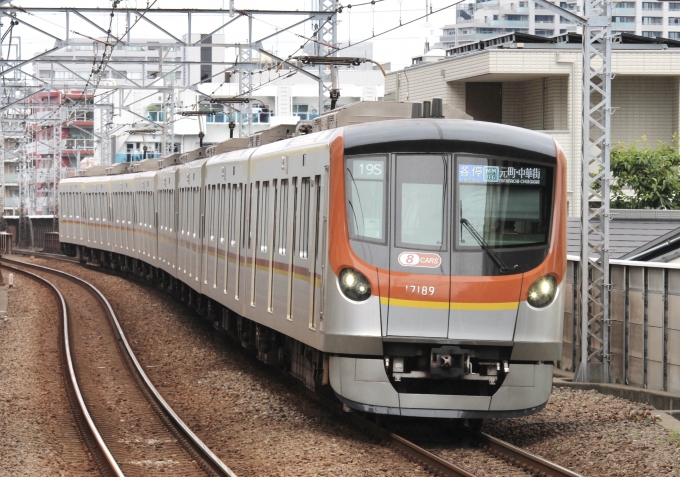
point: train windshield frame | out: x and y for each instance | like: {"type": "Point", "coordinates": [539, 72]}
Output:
{"type": "Point", "coordinates": [506, 202]}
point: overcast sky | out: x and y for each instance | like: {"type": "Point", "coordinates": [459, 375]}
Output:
{"type": "Point", "coordinates": [355, 24]}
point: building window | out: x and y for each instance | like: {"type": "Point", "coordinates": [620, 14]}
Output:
{"type": "Point", "coordinates": [651, 6]}
{"type": "Point", "coordinates": [545, 32]}
{"type": "Point", "coordinates": [651, 20]}
{"type": "Point", "coordinates": [674, 21]}
{"type": "Point", "coordinates": [544, 18]}
{"type": "Point", "coordinates": [522, 4]}
{"type": "Point", "coordinates": [83, 48]}
{"type": "Point", "coordinates": [45, 74]}
{"type": "Point", "coordinates": [623, 19]}
{"type": "Point", "coordinates": [674, 35]}
{"type": "Point", "coordinates": [517, 18]}
{"type": "Point", "coordinates": [301, 111]}
{"type": "Point", "coordinates": [63, 75]}
{"type": "Point", "coordinates": [495, 17]}
{"type": "Point", "coordinates": [135, 75]}
{"type": "Point", "coordinates": [624, 5]}
{"type": "Point", "coordinates": [650, 34]}
{"type": "Point", "coordinates": [136, 48]}
{"type": "Point", "coordinates": [674, 7]}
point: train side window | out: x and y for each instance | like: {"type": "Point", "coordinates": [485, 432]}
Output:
{"type": "Point", "coordinates": [282, 239]}
{"type": "Point", "coordinates": [185, 211]}
{"type": "Point", "coordinates": [161, 210]}
{"type": "Point", "coordinates": [212, 202]}
{"type": "Point", "coordinates": [233, 213]}
{"type": "Point", "coordinates": [223, 214]}
{"type": "Point", "coordinates": [180, 215]}
{"type": "Point", "coordinates": [245, 214]}
{"type": "Point", "coordinates": [253, 200]}
{"type": "Point", "coordinates": [197, 212]}
{"type": "Point", "coordinates": [264, 217]}
{"type": "Point", "coordinates": [316, 246]}
{"type": "Point", "coordinates": [366, 195]}
{"type": "Point", "coordinates": [190, 213]}
{"type": "Point", "coordinates": [305, 204]}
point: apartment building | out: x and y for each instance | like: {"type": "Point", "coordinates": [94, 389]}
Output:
{"type": "Point", "coordinates": [482, 19]}
{"type": "Point", "coordinates": [649, 19]}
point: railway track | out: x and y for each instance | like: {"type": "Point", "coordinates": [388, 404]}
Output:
{"type": "Point", "coordinates": [124, 421]}
{"type": "Point", "coordinates": [486, 456]}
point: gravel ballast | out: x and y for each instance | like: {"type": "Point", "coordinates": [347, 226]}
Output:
{"type": "Point", "coordinates": [37, 431]}
{"type": "Point", "coordinates": [259, 425]}
{"type": "Point", "coordinates": [254, 420]}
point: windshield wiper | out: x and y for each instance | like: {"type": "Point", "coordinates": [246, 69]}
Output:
{"type": "Point", "coordinates": [485, 246]}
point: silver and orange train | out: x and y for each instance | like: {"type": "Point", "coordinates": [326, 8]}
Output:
{"type": "Point", "coordinates": [415, 266]}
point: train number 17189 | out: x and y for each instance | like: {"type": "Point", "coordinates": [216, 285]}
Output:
{"type": "Point", "coordinates": [419, 290]}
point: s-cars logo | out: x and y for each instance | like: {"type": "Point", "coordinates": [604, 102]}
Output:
{"type": "Point", "coordinates": [412, 259]}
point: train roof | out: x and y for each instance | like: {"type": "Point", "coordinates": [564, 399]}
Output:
{"type": "Point", "coordinates": [447, 135]}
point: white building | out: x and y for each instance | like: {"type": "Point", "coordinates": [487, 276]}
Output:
{"type": "Point", "coordinates": [293, 97]}
{"type": "Point", "coordinates": [480, 19]}
{"type": "Point", "coordinates": [537, 85]}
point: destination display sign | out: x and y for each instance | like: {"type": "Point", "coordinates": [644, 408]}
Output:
{"type": "Point", "coordinates": [478, 174]}
{"type": "Point", "coordinates": [363, 169]}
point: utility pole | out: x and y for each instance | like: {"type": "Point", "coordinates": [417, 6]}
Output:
{"type": "Point", "coordinates": [245, 83]}
{"type": "Point", "coordinates": [594, 287]}
{"type": "Point", "coordinates": [327, 34]}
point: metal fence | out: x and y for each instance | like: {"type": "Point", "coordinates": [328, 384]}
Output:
{"type": "Point", "coordinates": [644, 324]}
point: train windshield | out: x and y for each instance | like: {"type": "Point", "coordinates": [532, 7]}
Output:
{"type": "Point", "coordinates": [366, 194]}
{"type": "Point", "coordinates": [502, 203]}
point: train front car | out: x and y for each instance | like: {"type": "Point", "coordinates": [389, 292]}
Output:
{"type": "Point", "coordinates": [450, 237]}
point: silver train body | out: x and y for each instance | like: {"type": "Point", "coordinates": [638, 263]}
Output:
{"type": "Point", "coordinates": [265, 243]}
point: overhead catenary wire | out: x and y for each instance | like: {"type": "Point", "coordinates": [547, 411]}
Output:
{"type": "Point", "coordinates": [398, 26]}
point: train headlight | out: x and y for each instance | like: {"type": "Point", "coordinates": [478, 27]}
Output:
{"type": "Point", "coordinates": [542, 292]}
{"type": "Point", "coordinates": [354, 285]}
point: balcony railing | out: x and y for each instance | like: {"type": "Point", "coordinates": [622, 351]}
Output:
{"type": "Point", "coordinates": [623, 25]}
{"type": "Point", "coordinates": [519, 10]}
{"type": "Point", "coordinates": [623, 11]}
{"type": "Point", "coordinates": [46, 148]}
{"type": "Point", "coordinates": [11, 202]}
{"type": "Point", "coordinates": [256, 118]}
{"type": "Point", "coordinates": [78, 144]}
{"type": "Point", "coordinates": [137, 156]}
{"type": "Point", "coordinates": [12, 178]}
{"type": "Point", "coordinates": [82, 116]}
{"type": "Point", "coordinates": [510, 23]}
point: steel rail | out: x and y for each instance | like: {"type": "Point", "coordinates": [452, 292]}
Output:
{"type": "Point", "coordinates": [522, 458]}
{"type": "Point", "coordinates": [103, 449]}
{"type": "Point", "coordinates": [204, 451]}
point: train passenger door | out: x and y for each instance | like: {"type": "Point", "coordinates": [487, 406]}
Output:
{"type": "Point", "coordinates": [420, 256]}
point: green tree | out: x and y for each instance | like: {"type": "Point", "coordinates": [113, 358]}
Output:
{"type": "Point", "coordinates": [644, 177]}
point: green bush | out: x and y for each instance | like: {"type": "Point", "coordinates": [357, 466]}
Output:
{"type": "Point", "coordinates": [652, 175]}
